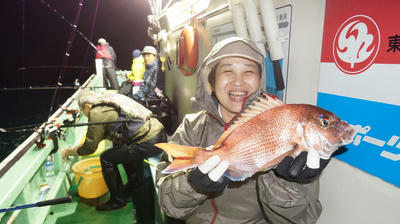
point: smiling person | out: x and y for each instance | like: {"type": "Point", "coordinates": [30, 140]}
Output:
{"type": "Point", "coordinates": [147, 87]}
{"type": "Point", "coordinates": [230, 76]}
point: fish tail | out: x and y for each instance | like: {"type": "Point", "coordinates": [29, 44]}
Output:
{"type": "Point", "coordinates": [184, 156]}
{"type": "Point", "coordinates": [178, 150]}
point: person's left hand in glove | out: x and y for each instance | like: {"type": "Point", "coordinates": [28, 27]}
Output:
{"type": "Point", "coordinates": [209, 176]}
{"type": "Point", "coordinates": [302, 169]}
{"type": "Point", "coordinates": [70, 151]}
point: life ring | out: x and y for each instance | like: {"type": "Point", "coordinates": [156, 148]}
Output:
{"type": "Point", "coordinates": [188, 50]}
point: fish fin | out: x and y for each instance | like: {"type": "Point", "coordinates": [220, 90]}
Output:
{"type": "Point", "coordinates": [238, 175]}
{"type": "Point", "coordinates": [222, 138]}
{"type": "Point", "coordinates": [179, 151]}
{"type": "Point", "coordinates": [184, 156]}
{"type": "Point", "coordinates": [179, 165]}
{"type": "Point", "coordinates": [258, 106]}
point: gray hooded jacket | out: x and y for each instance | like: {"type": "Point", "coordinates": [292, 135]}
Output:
{"type": "Point", "coordinates": [263, 198]}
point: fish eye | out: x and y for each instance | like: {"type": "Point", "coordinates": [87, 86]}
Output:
{"type": "Point", "coordinates": [324, 120]}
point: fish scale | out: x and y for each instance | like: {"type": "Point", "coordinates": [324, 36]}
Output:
{"type": "Point", "coordinates": [265, 133]}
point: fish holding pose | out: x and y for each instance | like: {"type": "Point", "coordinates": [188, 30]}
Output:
{"type": "Point", "coordinates": [266, 132]}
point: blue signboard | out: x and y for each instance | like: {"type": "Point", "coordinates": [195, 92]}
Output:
{"type": "Point", "coordinates": [376, 146]}
{"type": "Point", "coordinates": [359, 81]}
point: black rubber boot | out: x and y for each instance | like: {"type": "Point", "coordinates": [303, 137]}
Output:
{"type": "Point", "coordinates": [143, 200]}
{"type": "Point", "coordinates": [114, 184]}
{"type": "Point", "coordinates": [134, 173]}
{"type": "Point", "coordinates": [112, 204]}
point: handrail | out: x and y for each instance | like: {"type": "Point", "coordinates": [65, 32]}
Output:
{"type": "Point", "coordinates": [201, 16]}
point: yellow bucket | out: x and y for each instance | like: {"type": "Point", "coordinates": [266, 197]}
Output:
{"type": "Point", "coordinates": [89, 178]}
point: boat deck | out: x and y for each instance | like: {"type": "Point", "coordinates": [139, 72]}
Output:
{"type": "Point", "coordinates": [86, 213]}
{"type": "Point", "coordinates": [139, 204]}
{"type": "Point", "coordinates": [24, 174]}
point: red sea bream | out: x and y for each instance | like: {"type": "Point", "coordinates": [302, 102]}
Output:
{"type": "Point", "coordinates": [263, 135]}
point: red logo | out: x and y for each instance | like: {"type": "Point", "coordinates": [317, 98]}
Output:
{"type": "Point", "coordinates": [356, 44]}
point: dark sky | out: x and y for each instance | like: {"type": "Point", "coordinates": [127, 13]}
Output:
{"type": "Point", "coordinates": [43, 41]}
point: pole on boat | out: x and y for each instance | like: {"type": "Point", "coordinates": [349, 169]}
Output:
{"type": "Point", "coordinates": [55, 201]}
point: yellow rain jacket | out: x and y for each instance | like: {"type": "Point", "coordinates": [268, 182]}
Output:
{"type": "Point", "coordinates": [138, 68]}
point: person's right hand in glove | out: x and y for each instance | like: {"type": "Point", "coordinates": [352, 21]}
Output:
{"type": "Point", "coordinates": [209, 176]}
{"type": "Point", "coordinates": [302, 169]}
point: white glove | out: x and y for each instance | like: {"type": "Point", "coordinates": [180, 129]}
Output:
{"type": "Point", "coordinates": [214, 167]}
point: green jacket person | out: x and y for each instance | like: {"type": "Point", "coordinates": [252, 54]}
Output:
{"type": "Point", "coordinates": [132, 141]}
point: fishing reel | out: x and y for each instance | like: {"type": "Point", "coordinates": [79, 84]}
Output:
{"type": "Point", "coordinates": [53, 132]}
{"type": "Point", "coordinates": [75, 115]}
{"type": "Point", "coordinates": [77, 85]}
{"type": "Point", "coordinates": [49, 131]}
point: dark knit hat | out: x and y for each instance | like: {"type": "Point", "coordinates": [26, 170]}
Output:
{"type": "Point", "coordinates": [135, 53]}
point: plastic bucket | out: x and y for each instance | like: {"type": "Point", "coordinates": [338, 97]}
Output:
{"type": "Point", "coordinates": [89, 178]}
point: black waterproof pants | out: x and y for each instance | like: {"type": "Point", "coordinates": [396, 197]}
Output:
{"type": "Point", "coordinates": [110, 75]}
{"type": "Point", "coordinates": [126, 88]}
{"type": "Point", "coordinates": [127, 154]}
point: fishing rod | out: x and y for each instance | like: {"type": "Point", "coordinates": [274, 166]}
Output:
{"type": "Point", "coordinates": [95, 123]}
{"type": "Point", "coordinates": [67, 54]}
{"type": "Point", "coordinates": [70, 24]}
{"type": "Point", "coordinates": [55, 201]}
{"type": "Point", "coordinates": [29, 127]}
{"type": "Point", "coordinates": [37, 88]}
{"type": "Point", "coordinates": [90, 37]}
{"type": "Point", "coordinates": [47, 88]}
{"type": "Point", "coordinates": [76, 85]}
{"type": "Point", "coordinates": [44, 131]}
{"type": "Point", "coordinates": [50, 67]}
{"type": "Point", "coordinates": [53, 131]}
{"type": "Point", "coordinates": [78, 31]}
{"type": "Point", "coordinates": [34, 127]}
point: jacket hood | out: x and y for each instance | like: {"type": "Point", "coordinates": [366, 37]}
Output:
{"type": "Point", "coordinates": [230, 47]}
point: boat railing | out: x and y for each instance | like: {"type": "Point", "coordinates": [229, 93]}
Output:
{"type": "Point", "coordinates": [22, 172]}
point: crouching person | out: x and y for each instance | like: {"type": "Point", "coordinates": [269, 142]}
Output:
{"type": "Point", "coordinates": [133, 140]}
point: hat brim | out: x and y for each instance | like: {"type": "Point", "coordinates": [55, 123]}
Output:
{"type": "Point", "coordinates": [147, 52]}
